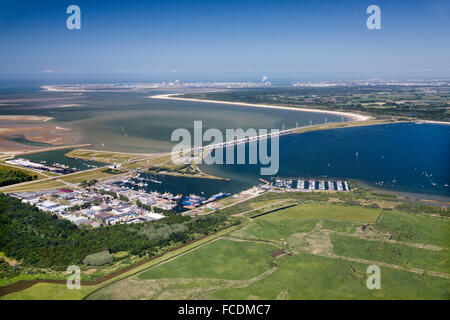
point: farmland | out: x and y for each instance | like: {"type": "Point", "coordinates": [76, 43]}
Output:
{"type": "Point", "coordinates": [317, 245]}
{"type": "Point", "coordinates": [310, 251]}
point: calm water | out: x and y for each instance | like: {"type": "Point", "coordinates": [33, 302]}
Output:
{"type": "Point", "coordinates": [130, 122]}
{"type": "Point", "coordinates": [186, 186]}
{"type": "Point", "coordinates": [403, 157]}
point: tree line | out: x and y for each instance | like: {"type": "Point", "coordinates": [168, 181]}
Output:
{"type": "Point", "coordinates": [40, 239]}
{"type": "Point", "coordinates": [8, 177]}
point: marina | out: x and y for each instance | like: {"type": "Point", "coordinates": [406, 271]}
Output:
{"type": "Point", "coordinates": [46, 158]}
{"type": "Point", "coordinates": [193, 201]}
{"type": "Point", "coordinates": [310, 184]}
{"type": "Point", "coordinates": [42, 166]}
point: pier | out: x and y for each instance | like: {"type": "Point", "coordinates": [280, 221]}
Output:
{"type": "Point", "coordinates": [310, 184]}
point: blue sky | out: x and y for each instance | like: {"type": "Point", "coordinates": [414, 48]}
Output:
{"type": "Point", "coordinates": [224, 36]}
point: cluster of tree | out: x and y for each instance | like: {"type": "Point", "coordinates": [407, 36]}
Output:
{"type": "Point", "coordinates": [143, 206]}
{"type": "Point", "coordinates": [85, 184]}
{"type": "Point", "coordinates": [347, 98]}
{"type": "Point", "coordinates": [155, 209]}
{"type": "Point", "coordinates": [99, 258]}
{"type": "Point", "coordinates": [8, 177]}
{"type": "Point", "coordinates": [165, 212]}
{"type": "Point", "coordinates": [109, 193]}
{"type": "Point", "coordinates": [175, 231]}
{"type": "Point", "coordinates": [40, 239]}
{"type": "Point", "coordinates": [113, 171]}
{"type": "Point", "coordinates": [8, 271]}
{"type": "Point", "coordinates": [83, 206]}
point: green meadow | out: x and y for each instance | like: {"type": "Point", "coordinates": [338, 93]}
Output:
{"type": "Point", "coordinates": [311, 251]}
{"type": "Point", "coordinates": [392, 253]}
{"type": "Point", "coordinates": [416, 228]}
{"type": "Point", "coordinates": [303, 218]}
{"type": "Point", "coordinates": [326, 212]}
{"type": "Point", "coordinates": [305, 276]}
{"type": "Point", "coordinates": [221, 259]}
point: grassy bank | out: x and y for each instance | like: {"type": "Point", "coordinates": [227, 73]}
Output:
{"type": "Point", "coordinates": [312, 251]}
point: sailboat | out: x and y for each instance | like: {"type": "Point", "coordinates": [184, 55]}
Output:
{"type": "Point", "coordinates": [154, 180]}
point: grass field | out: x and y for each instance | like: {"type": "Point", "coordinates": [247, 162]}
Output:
{"type": "Point", "coordinates": [86, 175]}
{"type": "Point", "coordinates": [341, 226]}
{"type": "Point", "coordinates": [303, 218]}
{"type": "Point", "coordinates": [276, 231]}
{"type": "Point", "coordinates": [326, 212]}
{"type": "Point", "coordinates": [35, 186]}
{"type": "Point", "coordinates": [103, 156]}
{"type": "Point", "coordinates": [305, 276]}
{"type": "Point", "coordinates": [392, 253]}
{"type": "Point", "coordinates": [49, 291]}
{"type": "Point", "coordinates": [152, 161]}
{"type": "Point", "coordinates": [311, 251]}
{"type": "Point", "coordinates": [420, 228]}
{"type": "Point", "coordinates": [238, 260]}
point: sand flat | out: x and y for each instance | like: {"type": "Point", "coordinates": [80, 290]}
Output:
{"type": "Point", "coordinates": [53, 135]}
{"type": "Point", "coordinates": [24, 118]}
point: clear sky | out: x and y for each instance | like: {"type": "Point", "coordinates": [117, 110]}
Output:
{"type": "Point", "coordinates": [224, 36]}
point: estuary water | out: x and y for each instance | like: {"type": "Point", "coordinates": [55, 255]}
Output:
{"type": "Point", "coordinates": [398, 157]}
{"type": "Point", "coordinates": [58, 156]}
{"type": "Point", "coordinates": [403, 157]}
{"type": "Point", "coordinates": [132, 122]}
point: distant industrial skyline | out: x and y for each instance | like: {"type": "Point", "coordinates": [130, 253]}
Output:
{"type": "Point", "coordinates": [136, 37]}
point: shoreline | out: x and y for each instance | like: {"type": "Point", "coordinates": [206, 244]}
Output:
{"type": "Point", "coordinates": [172, 96]}
{"type": "Point", "coordinates": [434, 122]}
{"type": "Point", "coordinates": [25, 118]}
{"type": "Point", "coordinates": [39, 150]}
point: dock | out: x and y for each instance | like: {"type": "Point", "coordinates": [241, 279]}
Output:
{"type": "Point", "coordinates": [310, 184]}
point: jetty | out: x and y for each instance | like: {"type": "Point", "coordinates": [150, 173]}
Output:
{"type": "Point", "coordinates": [310, 184]}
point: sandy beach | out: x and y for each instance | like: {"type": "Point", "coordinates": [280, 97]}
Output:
{"type": "Point", "coordinates": [26, 118]}
{"type": "Point", "coordinates": [64, 89]}
{"type": "Point", "coordinates": [93, 88]}
{"type": "Point", "coordinates": [52, 135]}
{"type": "Point", "coordinates": [435, 122]}
{"type": "Point", "coordinates": [67, 105]}
{"type": "Point", "coordinates": [173, 96]}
